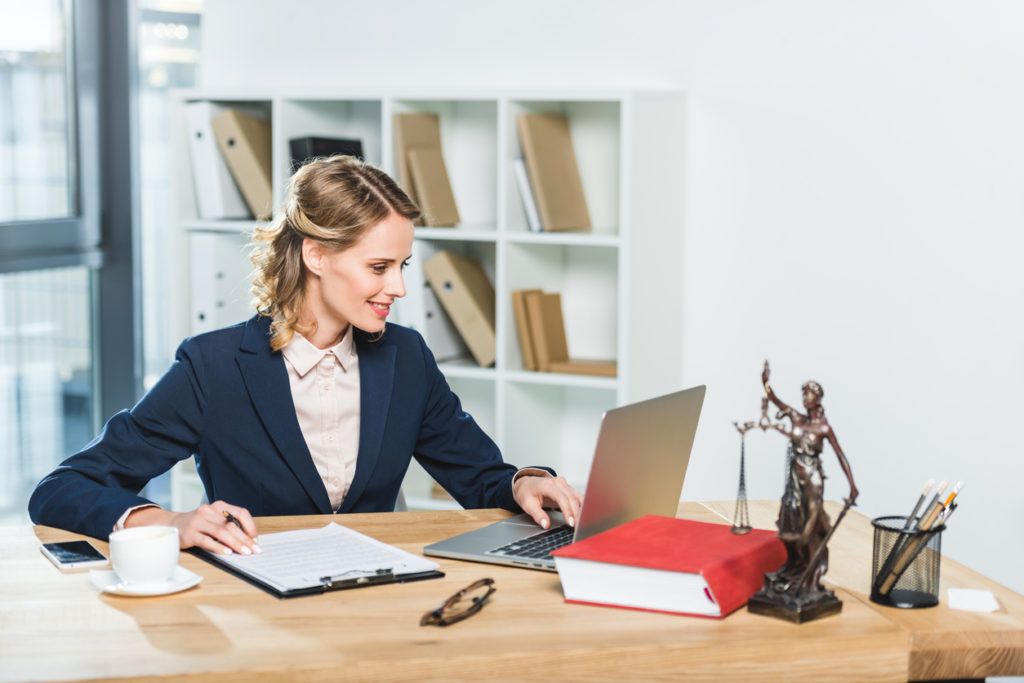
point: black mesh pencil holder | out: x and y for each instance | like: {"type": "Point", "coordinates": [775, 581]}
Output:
{"type": "Point", "coordinates": [905, 564]}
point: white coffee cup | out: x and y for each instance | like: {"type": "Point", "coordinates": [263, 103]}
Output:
{"type": "Point", "coordinates": [144, 554]}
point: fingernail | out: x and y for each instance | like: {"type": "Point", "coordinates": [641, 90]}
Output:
{"type": "Point", "coordinates": [227, 551]}
{"type": "Point", "coordinates": [246, 551]}
{"type": "Point", "coordinates": [572, 522]}
{"type": "Point", "coordinates": [256, 548]}
{"type": "Point", "coordinates": [544, 523]}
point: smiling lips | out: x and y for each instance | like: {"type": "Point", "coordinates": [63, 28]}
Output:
{"type": "Point", "coordinates": [381, 310]}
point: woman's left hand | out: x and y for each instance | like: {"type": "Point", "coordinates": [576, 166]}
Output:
{"type": "Point", "coordinates": [533, 493]}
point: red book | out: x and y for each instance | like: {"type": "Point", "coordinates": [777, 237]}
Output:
{"type": "Point", "coordinates": [672, 565]}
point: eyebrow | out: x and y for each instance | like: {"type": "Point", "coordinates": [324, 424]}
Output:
{"type": "Point", "coordinates": [388, 260]}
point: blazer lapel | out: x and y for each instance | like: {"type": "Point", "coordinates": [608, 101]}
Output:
{"type": "Point", "coordinates": [376, 379]}
{"type": "Point", "coordinates": [266, 379]}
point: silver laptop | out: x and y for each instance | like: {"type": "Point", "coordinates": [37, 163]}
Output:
{"type": "Point", "coordinates": [639, 465]}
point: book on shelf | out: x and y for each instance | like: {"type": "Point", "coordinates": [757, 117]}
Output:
{"type": "Point", "coordinates": [432, 186]}
{"type": "Point", "coordinates": [413, 131]}
{"type": "Point", "coordinates": [664, 564]}
{"type": "Point", "coordinates": [467, 295]}
{"type": "Point", "coordinates": [523, 327]}
{"type": "Point", "coordinates": [553, 173]}
{"type": "Point", "coordinates": [217, 195]}
{"type": "Point", "coordinates": [549, 345]}
{"type": "Point", "coordinates": [312, 147]}
{"type": "Point", "coordinates": [526, 194]}
{"type": "Point", "coordinates": [547, 329]}
{"type": "Point", "coordinates": [244, 140]}
{"type": "Point", "coordinates": [421, 310]}
{"type": "Point", "coordinates": [424, 178]}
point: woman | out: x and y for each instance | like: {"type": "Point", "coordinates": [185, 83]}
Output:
{"type": "Point", "coordinates": [312, 406]}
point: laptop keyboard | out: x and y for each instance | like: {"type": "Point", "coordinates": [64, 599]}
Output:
{"type": "Point", "coordinates": [538, 546]}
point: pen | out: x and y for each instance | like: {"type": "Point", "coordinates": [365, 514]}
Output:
{"type": "Point", "coordinates": [917, 507]}
{"type": "Point", "coordinates": [912, 548]}
{"type": "Point", "coordinates": [947, 513]}
{"type": "Point", "coordinates": [952, 494]}
{"type": "Point", "coordinates": [231, 519]}
{"type": "Point", "coordinates": [939, 490]}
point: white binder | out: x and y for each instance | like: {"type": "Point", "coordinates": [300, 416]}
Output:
{"type": "Point", "coordinates": [217, 195]}
{"type": "Point", "coordinates": [421, 310]}
{"type": "Point", "coordinates": [526, 193]}
{"type": "Point", "coordinates": [219, 279]}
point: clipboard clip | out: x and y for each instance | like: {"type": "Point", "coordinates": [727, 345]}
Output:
{"type": "Point", "coordinates": [368, 577]}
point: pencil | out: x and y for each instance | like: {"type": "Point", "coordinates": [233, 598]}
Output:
{"type": "Point", "coordinates": [939, 490]}
{"type": "Point", "coordinates": [917, 507]}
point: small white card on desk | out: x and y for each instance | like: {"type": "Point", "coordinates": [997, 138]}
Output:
{"type": "Point", "coordinates": [971, 600]}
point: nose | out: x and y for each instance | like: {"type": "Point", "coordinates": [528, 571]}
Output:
{"type": "Point", "coordinates": [395, 284]}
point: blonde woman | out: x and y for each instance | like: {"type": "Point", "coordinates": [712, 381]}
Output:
{"type": "Point", "coordinates": [315, 405]}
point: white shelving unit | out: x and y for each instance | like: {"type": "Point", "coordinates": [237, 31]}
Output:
{"type": "Point", "coordinates": [617, 281]}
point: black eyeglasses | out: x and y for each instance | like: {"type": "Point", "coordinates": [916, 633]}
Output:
{"type": "Point", "coordinates": [462, 605]}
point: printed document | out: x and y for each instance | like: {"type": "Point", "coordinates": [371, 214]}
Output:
{"type": "Point", "coordinates": [300, 559]}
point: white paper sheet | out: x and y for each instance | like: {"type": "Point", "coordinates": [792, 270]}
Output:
{"type": "Point", "coordinates": [300, 559]}
{"type": "Point", "coordinates": [971, 600]}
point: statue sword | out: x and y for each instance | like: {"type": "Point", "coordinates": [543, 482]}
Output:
{"type": "Point", "coordinates": [817, 553]}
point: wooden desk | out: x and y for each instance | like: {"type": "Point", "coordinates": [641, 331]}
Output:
{"type": "Point", "coordinates": [57, 627]}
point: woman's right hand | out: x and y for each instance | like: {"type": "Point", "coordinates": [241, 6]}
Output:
{"type": "Point", "coordinates": [205, 527]}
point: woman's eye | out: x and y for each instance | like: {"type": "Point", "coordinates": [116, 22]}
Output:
{"type": "Point", "coordinates": [380, 268]}
{"type": "Point", "coordinates": [405, 264]}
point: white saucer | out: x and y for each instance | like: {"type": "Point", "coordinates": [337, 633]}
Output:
{"type": "Point", "coordinates": [109, 582]}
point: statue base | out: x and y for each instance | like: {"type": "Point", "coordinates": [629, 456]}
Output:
{"type": "Point", "coordinates": [796, 609]}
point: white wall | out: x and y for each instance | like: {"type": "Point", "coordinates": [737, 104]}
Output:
{"type": "Point", "coordinates": [855, 203]}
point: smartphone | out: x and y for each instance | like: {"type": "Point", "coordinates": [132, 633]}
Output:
{"type": "Point", "coordinates": [73, 554]}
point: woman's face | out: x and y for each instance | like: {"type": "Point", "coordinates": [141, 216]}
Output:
{"type": "Point", "coordinates": [811, 399]}
{"type": "Point", "coordinates": [359, 284]}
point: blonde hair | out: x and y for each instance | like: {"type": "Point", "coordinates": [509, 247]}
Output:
{"type": "Point", "coordinates": [332, 200]}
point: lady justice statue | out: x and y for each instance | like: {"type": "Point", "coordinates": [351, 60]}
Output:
{"type": "Point", "coordinates": [795, 592]}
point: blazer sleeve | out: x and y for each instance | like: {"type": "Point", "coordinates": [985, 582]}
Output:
{"type": "Point", "coordinates": [89, 491]}
{"type": "Point", "coordinates": [456, 452]}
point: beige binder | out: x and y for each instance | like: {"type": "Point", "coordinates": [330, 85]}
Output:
{"type": "Point", "coordinates": [468, 297]}
{"type": "Point", "coordinates": [414, 131]}
{"type": "Point", "coordinates": [523, 327]}
{"type": "Point", "coordinates": [549, 343]}
{"type": "Point", "coordinates": [244, 141]}
{"type": "Point", "coordinates": [554, 175]}
{"type": "Point", "coordinates": [432, 188]}
{"type": "Point", "coordinates": [547, 328]}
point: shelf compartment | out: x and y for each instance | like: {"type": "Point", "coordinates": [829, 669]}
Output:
{"type": "Point", "coordinates": [586, 278]}
{"type": "Point", "coordinates": [469, 143]}
{"type": "Point", "coordinates": [596, 138]}
{"type": "Point", "coordinates": [351, 119]}
{"type": "Point", "coordinates": [262, 109]}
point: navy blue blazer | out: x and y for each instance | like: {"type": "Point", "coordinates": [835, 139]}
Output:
{"type": "Point", "coordinates": [226, 400]}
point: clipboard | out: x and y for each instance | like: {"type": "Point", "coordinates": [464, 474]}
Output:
{"type": "Point", "coordinates": [326, 584]}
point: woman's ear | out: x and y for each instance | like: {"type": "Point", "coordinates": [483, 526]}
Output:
{"type": "Point", "coordinates": [312, 255]}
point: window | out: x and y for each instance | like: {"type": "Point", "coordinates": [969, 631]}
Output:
{"type": "Point", "coordinates": [46, 378]}
{"type": "Point", "coordinates": [56, 330]}
{"type": "Point", "coordinates": [35, 154]}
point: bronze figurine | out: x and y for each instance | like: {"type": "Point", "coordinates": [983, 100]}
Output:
{"type": "Point", "coordinates": [795, 592]}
